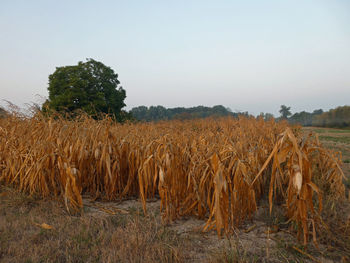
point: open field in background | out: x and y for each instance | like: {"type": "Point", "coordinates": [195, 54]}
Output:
{"type": "Point", "coordinates": [334, 135]}
{"type": "Point", "coordinates": [337, 140]}
{"type": "Point", "coordinates": [189, 176]}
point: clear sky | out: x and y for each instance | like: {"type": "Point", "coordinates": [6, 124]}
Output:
{"type": "Point", "coordinates": [247, 55]}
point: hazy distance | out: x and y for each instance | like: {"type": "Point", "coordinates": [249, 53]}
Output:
{"type": "Point", "coordinates": [247, 55]}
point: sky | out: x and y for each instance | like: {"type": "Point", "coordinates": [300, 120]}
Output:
{"type": "Point", "coordinates": [246, 55]}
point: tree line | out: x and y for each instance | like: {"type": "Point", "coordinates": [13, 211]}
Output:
{"type": "Point", "coordinates": [93, 88]}
{"type": "Point", "coordinates": [157, 113]}
{"type": "Point", "coordinates": [334, 118]}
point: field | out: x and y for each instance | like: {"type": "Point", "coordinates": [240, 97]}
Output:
{"type": "Point", "coordinates": [209, 190]}
{"type": "Point", "coordinates": [337, 140]}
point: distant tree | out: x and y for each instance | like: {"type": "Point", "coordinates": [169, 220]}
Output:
{"type": "Point", "coordinates": [2, 113]}
{"type": "Point", "coordinates": [89, 86]}
{"type": "Point", "coordinates": [261, 115]}
{"type": "Point", "coordinates": [156, 113]}
{"type": "Point", "coordinates": [317, 112]}
{"type": "Point", "coordinates": [285, 112]}
{"type": "Point", "coordinates": [304, 118]}
{"type": "Point", "coordinates": [338, 117]}
{"type": "Point", "coordinates": [220, 110]}
{"type": "Point", "coordinates": [268, 116]}
{"type": "Point", "coordinates": [228, 109]}
{"type": "Point", "coordinates": [140, 112]}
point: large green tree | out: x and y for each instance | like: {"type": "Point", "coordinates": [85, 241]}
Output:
{"type": "Point", "coordinates": [89, 86]}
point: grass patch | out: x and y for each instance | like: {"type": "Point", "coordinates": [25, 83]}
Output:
{"type": "Point", "coordinates": [233, 252]}
{"type": "Point", "coordinates": [335, 139]}
{"type": "Point", "coordinates": [328, 130]}
{"type": "Point", "coordinates": [94, 237]}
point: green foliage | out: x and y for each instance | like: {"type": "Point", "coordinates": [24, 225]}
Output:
{"type": "Point", "coordinates": [342, 139]}
{"type": "Point", "coordinates": [336, 118]}
{"type": "Point", "coordinates": [156, 113]}
{"type": "Point", "coordinates": [89, 86]}
{"type": "Point", "coordinates": [305, 118]}
{"type": "Point", "coordinates": [285, 112]}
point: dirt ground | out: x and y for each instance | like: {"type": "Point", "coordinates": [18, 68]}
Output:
{"type": "Point", "coordinates": [34, 230]}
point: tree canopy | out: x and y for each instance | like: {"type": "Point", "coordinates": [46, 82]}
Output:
{"type": "Point", "coordinates": [285, 111]}
{"type": "Point", "coordinates": [305, 118]}
{"type": "Point", "coordinates": [89, 86]}
{"type": "Point", "coordinates": [336, 118]}
{"type": "Point", "coordinates": [156, 113]}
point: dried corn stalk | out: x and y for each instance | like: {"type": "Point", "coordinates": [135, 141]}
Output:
{"type": "Point", "coordinates": [213, 169]}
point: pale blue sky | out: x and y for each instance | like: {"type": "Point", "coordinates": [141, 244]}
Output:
{"type": "Point", "coordinates": [247, 55]}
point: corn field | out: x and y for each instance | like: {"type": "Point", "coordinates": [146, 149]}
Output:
{"type": "Point", "coordinates": [216, 170]}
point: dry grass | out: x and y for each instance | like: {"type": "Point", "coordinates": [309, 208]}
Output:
{"type": "Point", "coordinates": [94, 237]}
{"type": "Point", "coordinates": [216, 170]}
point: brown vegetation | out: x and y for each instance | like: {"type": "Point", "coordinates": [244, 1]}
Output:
{"type": "Point", "coordinates": [41, 231]}
{"type": "Point", "coordinates": [213, 169]}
